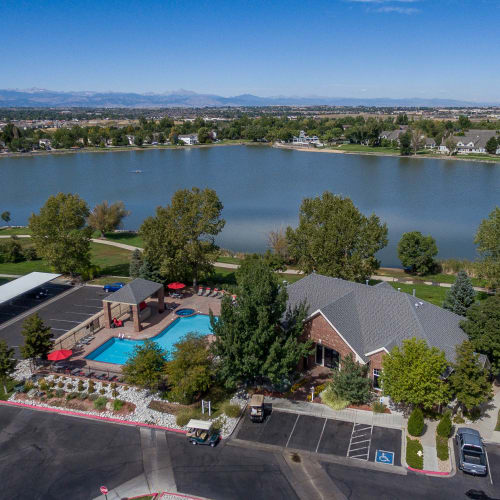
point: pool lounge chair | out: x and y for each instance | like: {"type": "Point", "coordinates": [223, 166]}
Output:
{"type": "Point", "coordinates": [75, 371]}
{"type": "Point", "coordinates": [201, 290]}
{"type": "Point", "coordinates": [215, 292]}
{"type": "Point", "coordinates": [207, 292]}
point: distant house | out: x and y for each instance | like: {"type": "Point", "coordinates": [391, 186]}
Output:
{"type": "Point", "coordinates": [473, 141]}
{"type": "Point", "coordinates": [393, 135]}
{"type": "Point", "coordinates": [45, 143]}
{"type": "Point", "coordinates": [368, 321]}
{"type": "Point", "coordinates": [189, 139]}
{"type": "Point", "coordinates": [130, 139]}
{"type": "Point", "coordinates": [305, 140]}
{"type": "Point", "coordinates": [430, 143]}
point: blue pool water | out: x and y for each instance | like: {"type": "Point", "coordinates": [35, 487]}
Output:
{"type": "Point", "coordinates": [117, 350]}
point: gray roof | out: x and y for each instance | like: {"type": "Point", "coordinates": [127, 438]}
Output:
{"type": "Point", "coordinates": [134, 292]}
{"type": "Point", "coordinates": [478, 137]}
{"type": "Point", "coordinates": [370, 318]}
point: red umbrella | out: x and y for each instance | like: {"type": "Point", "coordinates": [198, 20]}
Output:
{"type": "Point", "coordinates": [176, 285]}
{"type": "Point", "coordinates": [60, 354]}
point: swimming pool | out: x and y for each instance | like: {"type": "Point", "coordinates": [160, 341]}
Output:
{"type": "Point", "coordinates": [117, 350]}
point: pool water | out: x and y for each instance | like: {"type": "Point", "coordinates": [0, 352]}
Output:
{"type": "Point", "coordinates": [118, 351]}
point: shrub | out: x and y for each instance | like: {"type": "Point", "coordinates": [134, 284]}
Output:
{"type": "Point", "coordinates": [80, 385]}
{"type": "Point", "coordinates": [69, 387]}
{"type": "Point", "coordinates": [60, 385]}
{"type": "Point", "coordinates": [351, 383]}
{"type": "Point", "coordinates": [118, 404]}
{"type": "Point", "coordinates": [458, 419]}
{"type": "Point", "coordinates": [442, 447]}
{"type": "Point", "coordinates": [329, 397]}
{"type": "Point", "coordinates": [59, 393]}
{"type": "Point", "coordinates": [100, 403]}
{"type": "Point", "coordinates": [102, 391]}
{"type": "Point", "coordinates": [51, 384]}
{"type": "Point", "coordinates": [50, 394]}
{"type": "Point", "coordinates": [113, 385]}
{"type": "Point", "coordinates": [183, 417]}
{"type": "Point", "coordinates": [71, 395]}
{"type": "Point", "coordinates": [416, 422]}
{"type": "Point", "coordinates": [29, 253]}
{"type": "Point", "coordinates": [378, 407]}
{"type": "Point", "coordinates": [42, 384]}
{"type": "Point", "coordinates": [412, 459]}
{"type": "Point", "coordinates": [91, 388]}
{"type": "Point", "coordinates": [444, 426]}
{"type": "Point", "coordinates": [82, 395]}
{"type": "Point", "coordinates": [115, 393]}
{"type": "Point", "coordinates": [92, 397]}
{"type": "Point", "coordinates": [232, 411]}
{"type": "Point", "coordinates": [104, 384]}
{"type": "Point", "coordinates": [28, 385]}
{"type": "Point", "coordinates": [55, 377]}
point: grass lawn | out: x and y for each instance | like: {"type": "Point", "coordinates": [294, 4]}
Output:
{"type": "Point", "coordinates": [497, 427]}
{"type": "Point", "coordinates": [14, 230]}
{"type": "Point", "coordinates": [360, 148]}
{"type": "Point", "coordinates": [433, 294]}
{"type": "Point", "coordinates": [229, 260]}
{"type": "Point", "coordinates": [438, 278]}
{"type": "Point", "coordinates": [127, 238]}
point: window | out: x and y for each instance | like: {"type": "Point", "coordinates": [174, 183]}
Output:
{"type": "Point", "coordinates": [376, 375]}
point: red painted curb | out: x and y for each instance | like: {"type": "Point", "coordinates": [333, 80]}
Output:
{"type": "Point", "coordinates": [93, 417]}
{"type": "Point", "coordinates": [429, 472]}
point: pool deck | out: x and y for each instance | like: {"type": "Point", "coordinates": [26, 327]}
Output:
{"type": "Point", "coordinates": [152, 326]}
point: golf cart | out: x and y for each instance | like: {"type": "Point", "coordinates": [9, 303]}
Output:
{"type": "Point", "coordinates": [201, 432]}
{"type": "Point", "coordinates": [256, 408]}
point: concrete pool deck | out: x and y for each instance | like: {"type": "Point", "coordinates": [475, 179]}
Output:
{"type": "Point", "coordinates": [152, 326]}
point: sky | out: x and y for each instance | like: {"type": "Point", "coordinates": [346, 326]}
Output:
{"type": "Point", "coordinates": [335, 48]}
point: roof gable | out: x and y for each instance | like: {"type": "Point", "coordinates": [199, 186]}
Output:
{"type": "Point", "coordinates": [134, 292]}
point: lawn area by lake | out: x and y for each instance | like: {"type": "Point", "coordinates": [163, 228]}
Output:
{"type": "Point", "coordinates": [360, 148]}
{"type": "Point", "coordinates": [4, 231]}
{"type": "Point", "coordinates": [128, 238]}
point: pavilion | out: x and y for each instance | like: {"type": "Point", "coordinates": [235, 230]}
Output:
{"type": "Point", "coordinates": [133, 294]}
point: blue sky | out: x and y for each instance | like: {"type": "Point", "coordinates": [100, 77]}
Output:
{"type": "Point", "coordinates": [346, 48]}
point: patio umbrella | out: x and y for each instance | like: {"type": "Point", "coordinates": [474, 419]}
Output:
{"type": "Point", "coordinates": [60, 354]}
{"type": "Point", "coordinates": [176, 285]}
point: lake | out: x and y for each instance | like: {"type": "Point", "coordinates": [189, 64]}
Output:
{"type": "Point", "coordinates": [262, 188]}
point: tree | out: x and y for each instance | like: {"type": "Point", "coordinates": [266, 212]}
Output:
{"type": "Point", "coordinates": [60, 235]}
{"type": "Point", "coordinates": [11, 250]}
{"type": "Point", "coordinates": [417, 252]}
{"type": "Point", "coordinates": [180, 240]}
{"type": "Point", "coordinates": [451, 145]}
{"type": "Point", "coordinates": [135, 264]}
{"type": "Point", "coordinates": [464, 123]}
{"type": "Point", "coordinates": [7, 363]}
{"type": "Point", "coordinates": [278, 243]}
{"type": "Point", "coordinates": [491, 145]}
{"type": "Point", "coordinates": [257, 338]}
{"type": "Point", "coordinates": [106, 218]}
{"type": "Point", "coordinates": [6, 217]}
{"type": "Point", "coordinates": [461, 295]}
{"type": "Point", "coordinates": [482, 325]}
{"type": "Point", "coordinates": [402, 119]}
{"type": "Point", "coordinates": [412, 374]}
{"type": "Point", "coordinates": [405, 144]}
{"type": "Point", "coordinates": [416, 424]}
{"type": "Point", "coordinates": [469, 380]}
{"type": "Point", "coordinates": [417, 140]}
{"type": "Point", "coordinates": [37, 339]}
{"type": "Point", "coordinates": [351, 383]}
{"type": "Point", "coordinates": [204, 135]}
{"type": "Point", "coordinates": [334, 238]}
{"type": "Point", "coordinates": [191, 371]}
{"type": "Point", "coordinates": [488, 241]}
{"type": "Point", "coordinates": [146, 366]}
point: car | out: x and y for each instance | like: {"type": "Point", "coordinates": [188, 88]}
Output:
{"type": "Point", "coordinates": [113, 287]}
{"type": "Point", "coordinates": [201, 432]}
{"type": "Point", "coordinates": [471, 452]}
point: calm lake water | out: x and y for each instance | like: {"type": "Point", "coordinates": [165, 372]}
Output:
{"type": "Point", "coordinates": [262, 188]}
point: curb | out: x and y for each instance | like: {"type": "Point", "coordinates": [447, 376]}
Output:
{"type": "Point", "coordinates": [429, 472]}
{"type": "Point", "coordinates": [91, 417]}
{"type": "Point", "coordinates": [156, 496]}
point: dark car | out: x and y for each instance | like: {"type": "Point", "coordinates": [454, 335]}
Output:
{"type": "Point", "coordinates": [113, 287]}
{"type": "Point", "coordinates": [471, 452]}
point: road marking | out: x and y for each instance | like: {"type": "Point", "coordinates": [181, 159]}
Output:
{"type": "Point", "coordinates": [358, 432]}
{"type": "Point", "coordinates": [66, 320]}
{"type": "Point", "coordinates": [321, 435]}
{"type": "Point", "coordinates": [370, 443]}
{"type": "Point", "coordinates": [290, 436]}
{"type": "Point", "coordinates": [488, 464]}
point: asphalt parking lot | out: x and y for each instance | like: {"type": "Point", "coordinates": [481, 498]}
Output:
{"type": "Point", "coordinates": [323, 435]}
{"type": "Point", "coordinates": [62, 315]}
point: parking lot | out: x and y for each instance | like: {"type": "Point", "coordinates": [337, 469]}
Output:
{"type": "Point", "coordinates": [323, 435]}
{"type": "Point", "coordinates": [62, 315]}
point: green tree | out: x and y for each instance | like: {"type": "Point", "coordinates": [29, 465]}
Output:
{"type": "Point", "coordinates": [135, 264]}
{"type": "Point", "coordinates": [351, 383]}
{"type": "Point", "coordinates": [482, 325]}
{"type": "Point", "coordinates": [488, 241]}
{"type": "Point", "coordinates": [11, 250]}
{"type": "Point", "coordinates": [148, 272]}
{"type": "Point", "coordinates": [191, 371]}
{"type": "Point", "coordinates": [105, 218]}
{"type": "Point", "coordinates": [146, 367]}
{"type": "Point", "coordinates": [60, 235]}
{"type": "Point", "coordinates": [334, 238]}
{"type": "Point", "coordinates": [37, 339]}
{"type": "Point", "coordinates": [417, 252]}
{"type": "Point", "coordinates": [257, 337]}
{"type": "Point", "coordinates": [416, 424]}
{"type": "Point", "coordinates": [412, 374]}
{"type": "Point", "coordinates": [180, 240]}
{"type": "Point", "coordinates": [7, 363]}
{"type": "Point", "coordinates": [461, 295]}
{"type": "Point", "coordinates": [451, 144]}
{"type": "Point", "coordinates": [491, 145]}
{"type": "Point", "coordinates": [402, 119]}
{"type": "Point", "coordinates": [469, 380]}
{"type": "Point", "coordinates": [405, 144]}
{"type": "Point", "coordinates": [6, 217]}
{"type": "Point", "coordinates": [204, 135]}
{"type": "Point", "coordinates": [464, 123]}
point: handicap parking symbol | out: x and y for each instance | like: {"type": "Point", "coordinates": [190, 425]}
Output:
{"type": "Point", "coordinates": [384, 457]}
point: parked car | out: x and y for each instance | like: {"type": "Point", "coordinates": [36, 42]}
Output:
{"type": "Point", "coordinates": [113, 287]}
{"type": "Point", "coordinates": [471, 452]}
{"type": "Point", "coordinates": [201, 432]}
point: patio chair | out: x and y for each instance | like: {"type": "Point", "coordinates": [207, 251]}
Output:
{"type": "Point", "coordinates": [207, 292]}
{"type": "Point", "coordinates": [201, 290]}
{"type": "Point", "coordinates": [75, 371]}
{"type": "Point", "coordinates": [214, 293]}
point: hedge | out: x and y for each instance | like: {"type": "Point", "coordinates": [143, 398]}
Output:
{"type": "Point", "coordinates": [442, 447]}
{"type": "Point", "coordinates": [416, 423]}
{"type": "Point", "coordinates": [413, 446]}
{"type": "Point", "coordinates": [444, 427]}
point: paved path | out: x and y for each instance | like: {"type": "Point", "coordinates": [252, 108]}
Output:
{"type": "Point", "coordinates": [428, 441]}
{"type": "Point", "coordinates": [486, 424]}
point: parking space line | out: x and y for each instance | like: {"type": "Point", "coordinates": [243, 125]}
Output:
{"type": "Point", "coordinates": [488, 464]}
{"type": "Point", "coordinates": [290, 436]}
{"type": "Point", "coordinates": [321, 435]}
{"type": "Point", "coordinates": [60, 329]}
{"type": "Point", "coordinates": [358, 433]}
{"type": "Point", "coordinates": [66, 320]}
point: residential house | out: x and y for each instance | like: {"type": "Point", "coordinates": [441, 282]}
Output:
{"type": "Point", "coordinates": [131, 140]}
{"type": "Point", "coordinates": [189, 139]}
{"type": "Point", "coordinates": [393, 135]}
{"type": "Point", "coordinates": [305, 140]}
{"type": "Point", "coordinates": [473, 141]}
{"type": "Point", "coordinates": [368, 321]}
{"type": "Point", "coordinates": [45, 143]}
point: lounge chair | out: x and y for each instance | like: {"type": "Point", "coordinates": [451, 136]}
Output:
{"type": "Point", "coordinates": [215, 292]}
{"type": "Point", "coordinates": [75, 371]}
{"type": "Point", "coordinates": [201, 290]}
{"type": "Point", "coordinates": [207, 292]}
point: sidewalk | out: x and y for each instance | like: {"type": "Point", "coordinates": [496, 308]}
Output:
{"type": "Point", "coordinates": [486, 424]}
{"type": "Point", "coordinates": [428, 441]}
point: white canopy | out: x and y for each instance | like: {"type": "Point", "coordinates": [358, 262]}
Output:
{"type": "Point", "coordinates": [199, 424]}
{"type": "Point", "coordinates": [17, 287]}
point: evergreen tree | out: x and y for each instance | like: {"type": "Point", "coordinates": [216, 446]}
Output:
{"type": "Point", "coordinates": [37, 338]}
{"type": "Point", "coordinates": [135, 264]}
{"type": "Point", "coordinates": [491, 145]}
{"type": "Point", "coordinates": [405, 144]}
{"type": "Point", "coordinates": [148, 272]}
{"type": "Point", "coordinates": [351, 383]}
{"type": "Point", "coordinates": [257, 337]}
{"type": "Point", "coordinates": [461, 295]}
{"type": "Point", "coordinates": [469, 381]}
{"type": "Point", "coordinates": [7, 363]}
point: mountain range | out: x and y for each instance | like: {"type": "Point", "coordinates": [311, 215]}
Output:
{"type": "Point", "coordinates": [186, 99]}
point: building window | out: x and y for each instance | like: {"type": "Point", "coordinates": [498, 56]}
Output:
{"type": "Point", "coordinates": [319, 354]}
{"type": "Point", "coordinates": [376, 381]}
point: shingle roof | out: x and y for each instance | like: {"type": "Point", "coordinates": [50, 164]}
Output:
{"type": "Point", "coordinates": [134, 292]}
{"type": "Point", "coordinates": [375, 317]}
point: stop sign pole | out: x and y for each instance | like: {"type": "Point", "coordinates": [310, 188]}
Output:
{"type": "Point", "coordinates": [104, 491]}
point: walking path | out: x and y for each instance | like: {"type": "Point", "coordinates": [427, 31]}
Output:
{"type": "Point", "coordinates": [428, 441]}
{"type": "Point", "coordinates": [486, 424]}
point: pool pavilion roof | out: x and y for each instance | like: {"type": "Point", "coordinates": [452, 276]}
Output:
{"type": "Point", "coordinates": [134, 292]}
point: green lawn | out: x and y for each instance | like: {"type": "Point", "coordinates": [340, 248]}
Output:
{"type": "Point", "coordinates": [229, 260]}
{"type": "Point", "coordinates": [360, 148]}
{"type": "Point", "coordinates": [14, 230]}
{"type": "Point", "coordinates": [439, 278]}
{"type": "Point", "coordinates": [127, 238]}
